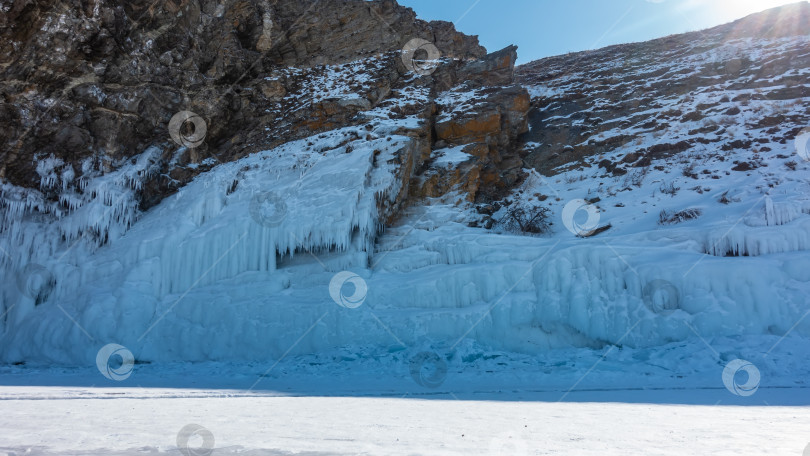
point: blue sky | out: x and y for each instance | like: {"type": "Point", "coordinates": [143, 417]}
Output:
{"type": "Point", "coordinates": [543, 28]}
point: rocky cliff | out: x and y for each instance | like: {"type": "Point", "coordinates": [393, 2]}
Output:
{"type": "Point", "coordinates": [91, 84]}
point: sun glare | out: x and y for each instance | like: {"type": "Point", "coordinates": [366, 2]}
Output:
{"type": "Point", "coordinates": [735, 9]}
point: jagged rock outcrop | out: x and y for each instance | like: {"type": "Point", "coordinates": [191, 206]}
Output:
{"type": "Point", "coordinates": [97, 82]}
{"type": "Point", "coordinates": [89, 85]}
{"type": "Point", "coordinates": [484, 116]}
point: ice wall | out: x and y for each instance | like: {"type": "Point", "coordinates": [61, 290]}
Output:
{"type": "Point", "coordinates": [86, 275]}
{"type": "Point", "coordinates": [238, 265]}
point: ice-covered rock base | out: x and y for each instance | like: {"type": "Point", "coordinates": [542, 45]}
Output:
{"type": "Point", "coordinates": [241, 266]}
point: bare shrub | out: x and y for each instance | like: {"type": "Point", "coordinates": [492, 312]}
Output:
{"type": "Point", "coordinates": [727, 121]}
{"type": "Point", "coordinates": [570, 179]}
{"type": "Point", "coordinates": [689, 170]}
{"type": "Point", "coordinates": [526, 218]}
{"type": "Point", "coordinates": [636, 178]}
{"type": "Point", "coordinates": [725, 199]}
{"type": "Point", "coordinates": [668, 218]}
{"type": "Point", "coordinates": [669, 189]}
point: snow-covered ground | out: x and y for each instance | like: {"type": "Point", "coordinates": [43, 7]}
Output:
{"type": "Point", "coordinates": [668, 400]}
{"type": "Point", "coordinates": [134, 422]}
